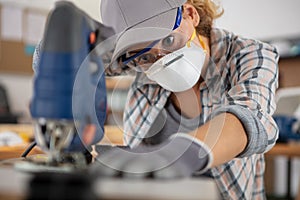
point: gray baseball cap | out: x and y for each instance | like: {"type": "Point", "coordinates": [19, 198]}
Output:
{"type": "Point", "coordinates": [139, 21]}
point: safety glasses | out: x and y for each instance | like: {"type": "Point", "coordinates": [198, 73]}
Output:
{"type": "Point", "coordinates": [127, 60]}
{"type": "Point", "coordinates": [164, 47]}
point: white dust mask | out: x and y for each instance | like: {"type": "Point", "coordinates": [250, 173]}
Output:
{"type": "Point", "coordinates": [181, 69]}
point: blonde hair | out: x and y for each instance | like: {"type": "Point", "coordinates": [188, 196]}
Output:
{"type": "Point", "coordinates": [208, 10]}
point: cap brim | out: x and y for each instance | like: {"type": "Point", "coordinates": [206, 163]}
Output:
{"type": "Point", "coordinates": [152, 29]}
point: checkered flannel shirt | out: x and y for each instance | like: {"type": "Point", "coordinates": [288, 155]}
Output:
{"type": "Point", "coordinates": [241, 79]}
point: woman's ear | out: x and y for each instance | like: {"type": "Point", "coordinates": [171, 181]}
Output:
{"type": "Point", "coordinates": [190, 13]}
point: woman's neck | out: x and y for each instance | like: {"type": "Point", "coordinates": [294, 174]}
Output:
{"type": "Point", "coordinates": [188, 102]}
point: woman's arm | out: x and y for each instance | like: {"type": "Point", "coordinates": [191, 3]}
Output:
{"type": "Point", "coordinates": [225, 135]}
{"type": "Point", "coordinates": [244, 126]}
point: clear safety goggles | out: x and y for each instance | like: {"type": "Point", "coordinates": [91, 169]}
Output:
{"type": "Point", "coordinates": [129, 59]}
{"type": "Point", "coordinates": [142, 60]}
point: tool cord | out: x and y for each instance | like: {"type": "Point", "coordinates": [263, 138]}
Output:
{"type": "Point", "coordinates": [28, 150]}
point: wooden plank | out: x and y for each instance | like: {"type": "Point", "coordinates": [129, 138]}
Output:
{"type": "Point", "coordinates": [285, 149]}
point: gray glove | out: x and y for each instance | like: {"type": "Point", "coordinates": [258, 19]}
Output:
{"type": "Point", "coordinates": [180, 156]}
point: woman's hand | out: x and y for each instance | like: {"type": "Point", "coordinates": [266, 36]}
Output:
{"type": "Point", "coordinates": [180, 156]}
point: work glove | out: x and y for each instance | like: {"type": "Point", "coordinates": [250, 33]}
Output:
{"type": "Point", "coordinates": [180, 156]}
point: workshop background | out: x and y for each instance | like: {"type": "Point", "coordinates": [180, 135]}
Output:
{"type": "Point", "coordinates": [275, 21]}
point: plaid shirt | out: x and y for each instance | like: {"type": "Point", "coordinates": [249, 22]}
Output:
{"type": "Point", "coordinates": [241, 78]}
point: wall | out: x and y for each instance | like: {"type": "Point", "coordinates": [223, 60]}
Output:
{"type": "Point", "coordinates": [90, 6]}
{"type": "Point", "coordinates": [261, 19]}
{"type": "Point", "coordinates": [19, 86]}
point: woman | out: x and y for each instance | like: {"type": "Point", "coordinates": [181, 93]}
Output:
{"type": "Point", "coordinates": [224, 105]}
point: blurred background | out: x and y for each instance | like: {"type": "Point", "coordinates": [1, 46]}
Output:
{"type": "Point", "coordinates": [273, 21]}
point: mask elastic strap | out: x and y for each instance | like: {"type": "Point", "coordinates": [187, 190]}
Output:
{"type": "Point", "coordinates": [200, 40]}
{"type": "Point", "coordinates": [191, 39]}
{"type": "Point", "coordinates": [202, 43]}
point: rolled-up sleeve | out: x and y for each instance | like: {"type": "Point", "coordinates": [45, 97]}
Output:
{"type": "Point", "coordinates": [251, 98]}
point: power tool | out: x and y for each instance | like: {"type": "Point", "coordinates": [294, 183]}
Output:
{"type": "Point", "coordinates": [69, 93]}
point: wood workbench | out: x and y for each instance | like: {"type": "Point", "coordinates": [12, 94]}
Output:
{"type": "Point", "coordinates": [16, 186]}
{"type": "Point", "coordinates": [113, 136]}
